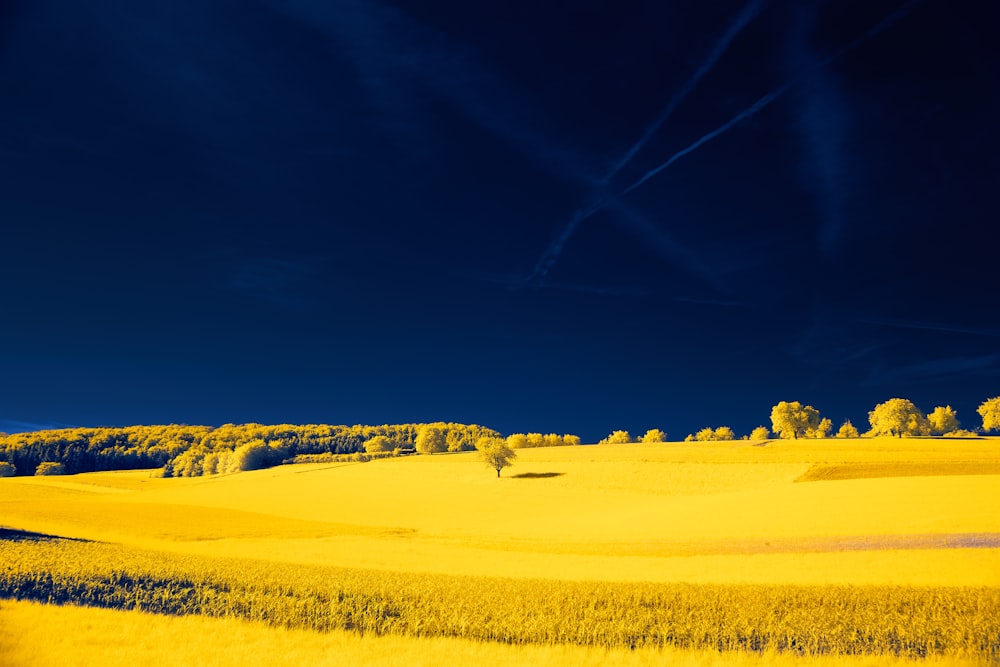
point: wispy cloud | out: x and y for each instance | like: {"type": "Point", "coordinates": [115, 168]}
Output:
{"type": "Point", "coordinates": [599, 197]}
{"type": "Point", "coordinates": [935, 369]}
{"type": "Point", "coordinates": [397, 59]}
{"type": "Point", "coordinates": [553, 251]}
{"type": "Point", "coordinates": [749, 12]}
{"type": "Point", "coordinates": [932, 326]}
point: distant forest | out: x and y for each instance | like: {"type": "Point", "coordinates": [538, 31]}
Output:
{"type": "Point", "coordinates": [189, 451]}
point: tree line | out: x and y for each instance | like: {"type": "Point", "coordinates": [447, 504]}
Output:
{"type": "Point", "coordinates": [791, 419]}
{"type": "Point", "coordinates": [182, 450]}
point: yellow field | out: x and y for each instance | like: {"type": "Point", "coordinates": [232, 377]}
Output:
{"type": "Point", "coordinates": [712, 512]}
{"type": "Point", "coordinates": [908, 513]}
{"type": "Point", "coordinates": [50, 636]}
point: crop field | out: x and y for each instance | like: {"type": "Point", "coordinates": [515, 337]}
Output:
{"type": "Point", "coordinates": [870, 549]}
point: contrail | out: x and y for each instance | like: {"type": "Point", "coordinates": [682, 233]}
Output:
{"type": "Point", "coordinates": [599, 200]}
{"type": "Point", "coordinates": [551, 256]}
{"type": "Point", "coordinates": [884, 24]}
{"type": "Point", "coordinates": [749, 12]}
{"type": "Point", "coordinates": [722, 129]}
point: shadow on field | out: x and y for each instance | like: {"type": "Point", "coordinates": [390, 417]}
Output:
{"type": "Point", "coordinates": [11, 535]}
{"type": "Point", "coordinates": [537, 475]}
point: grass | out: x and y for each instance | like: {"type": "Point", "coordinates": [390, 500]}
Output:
{"type": "Point", "coordinates": [47, 635]}
{"type": "Point", "coordinates": [812, 620]}
{"type": "Point", "coordinates": [892, 530]}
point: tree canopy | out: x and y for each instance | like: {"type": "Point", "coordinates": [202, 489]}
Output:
{"type": "Point", "coordinates": [496, 453]}
{"type": "Point", "coordinates": [847, 430]}
{"type": "Point", "coordinates": [942, 420]}
{"type": "Point", "coordinates": [794, 420]}
{"type": "Point", "coordinates": [898, 417]}
{"type": "Point", "coordinates": [617, 437]}
{"type": "Point", "coordinates": [184, 450]}
{"type": "Point", "coordinates": [990, 412]}
{"type": "Point", "coordinates": [654, 435]}
{"type": "Point", "coordinates": [431, 439]}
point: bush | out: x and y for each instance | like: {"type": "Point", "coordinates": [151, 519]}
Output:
{"type": "Point", "coordinates": [654, 435]}
{"type": "Point", "coordinates": [848, 430]}
{"type": "Point", "coordinates": [377, 444]}
{"type": "Point", "coordinates": [7, 470]}
{"type": "Point", "coordinates": [961, 433]}
{"type": "Point", "coordinates": [617, 437]}
{"type": "Point", "coordinates": [50, 468]}
{"type": "Point", "coordinates": [256, 455]}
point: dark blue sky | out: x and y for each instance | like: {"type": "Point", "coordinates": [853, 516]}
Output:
{"type": "Point", "coordinates": [372, 211]}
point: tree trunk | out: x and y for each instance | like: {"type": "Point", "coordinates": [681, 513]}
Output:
{"type": "Point", "coordinates": [498, 472]}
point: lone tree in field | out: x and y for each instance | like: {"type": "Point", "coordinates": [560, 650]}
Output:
{"type": "Point", "coordinates": [496, 453]}
{"type": "Point", "coordinates": [990, 412]}
{"type": "Point", "coordinates": [794, 420]}
{"type": "Point", "coordinates": [942, 420]}
{"type": "Point", "coordinates": [431, 439]}
{"type": "Point", "coordinates": [898, 417]}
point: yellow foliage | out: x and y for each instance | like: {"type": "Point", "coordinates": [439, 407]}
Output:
{"type": "Point", "coordinates": [654, 435]}
{"type": "Point", "coordinates": [990, 412]}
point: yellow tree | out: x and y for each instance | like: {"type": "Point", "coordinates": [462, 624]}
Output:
{"type": "Point", "coordinates": [848, 430]}
{"type": "Point", "coordinates": [617, 437]}
{"type": "Point", "coordinates": [517, 440]}
{"type": "Point", "coordinates": [822, 429]}
{"type": "Point", "coordinates": [942, 420]}
{"type": "Point", "coordinates": [496, 453]}
{"type": "Point", "coordinates": [724, 433]}
{"type": "Point", "coordinates": [553, 440]}
{"type": "Point", "coordinates": [990, 412]}
{"type": "Point", "coordinates": [377, 444]}
{"type": "Point", "coordinates": [705, 434]}
{"type": "Point", "coordinates": [430, 439]}
{"type": "Point", "coordinates": [899, 417]}
{"type": "Point", "coordinates": [760, 433]}
{"type": "Point", "coordinates": [794, 420]}
{"type": "Point", "coordinates": [654, 435]}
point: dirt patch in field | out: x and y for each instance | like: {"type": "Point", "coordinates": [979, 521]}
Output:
{"type": "Point", "coordinates": [840, 471]}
